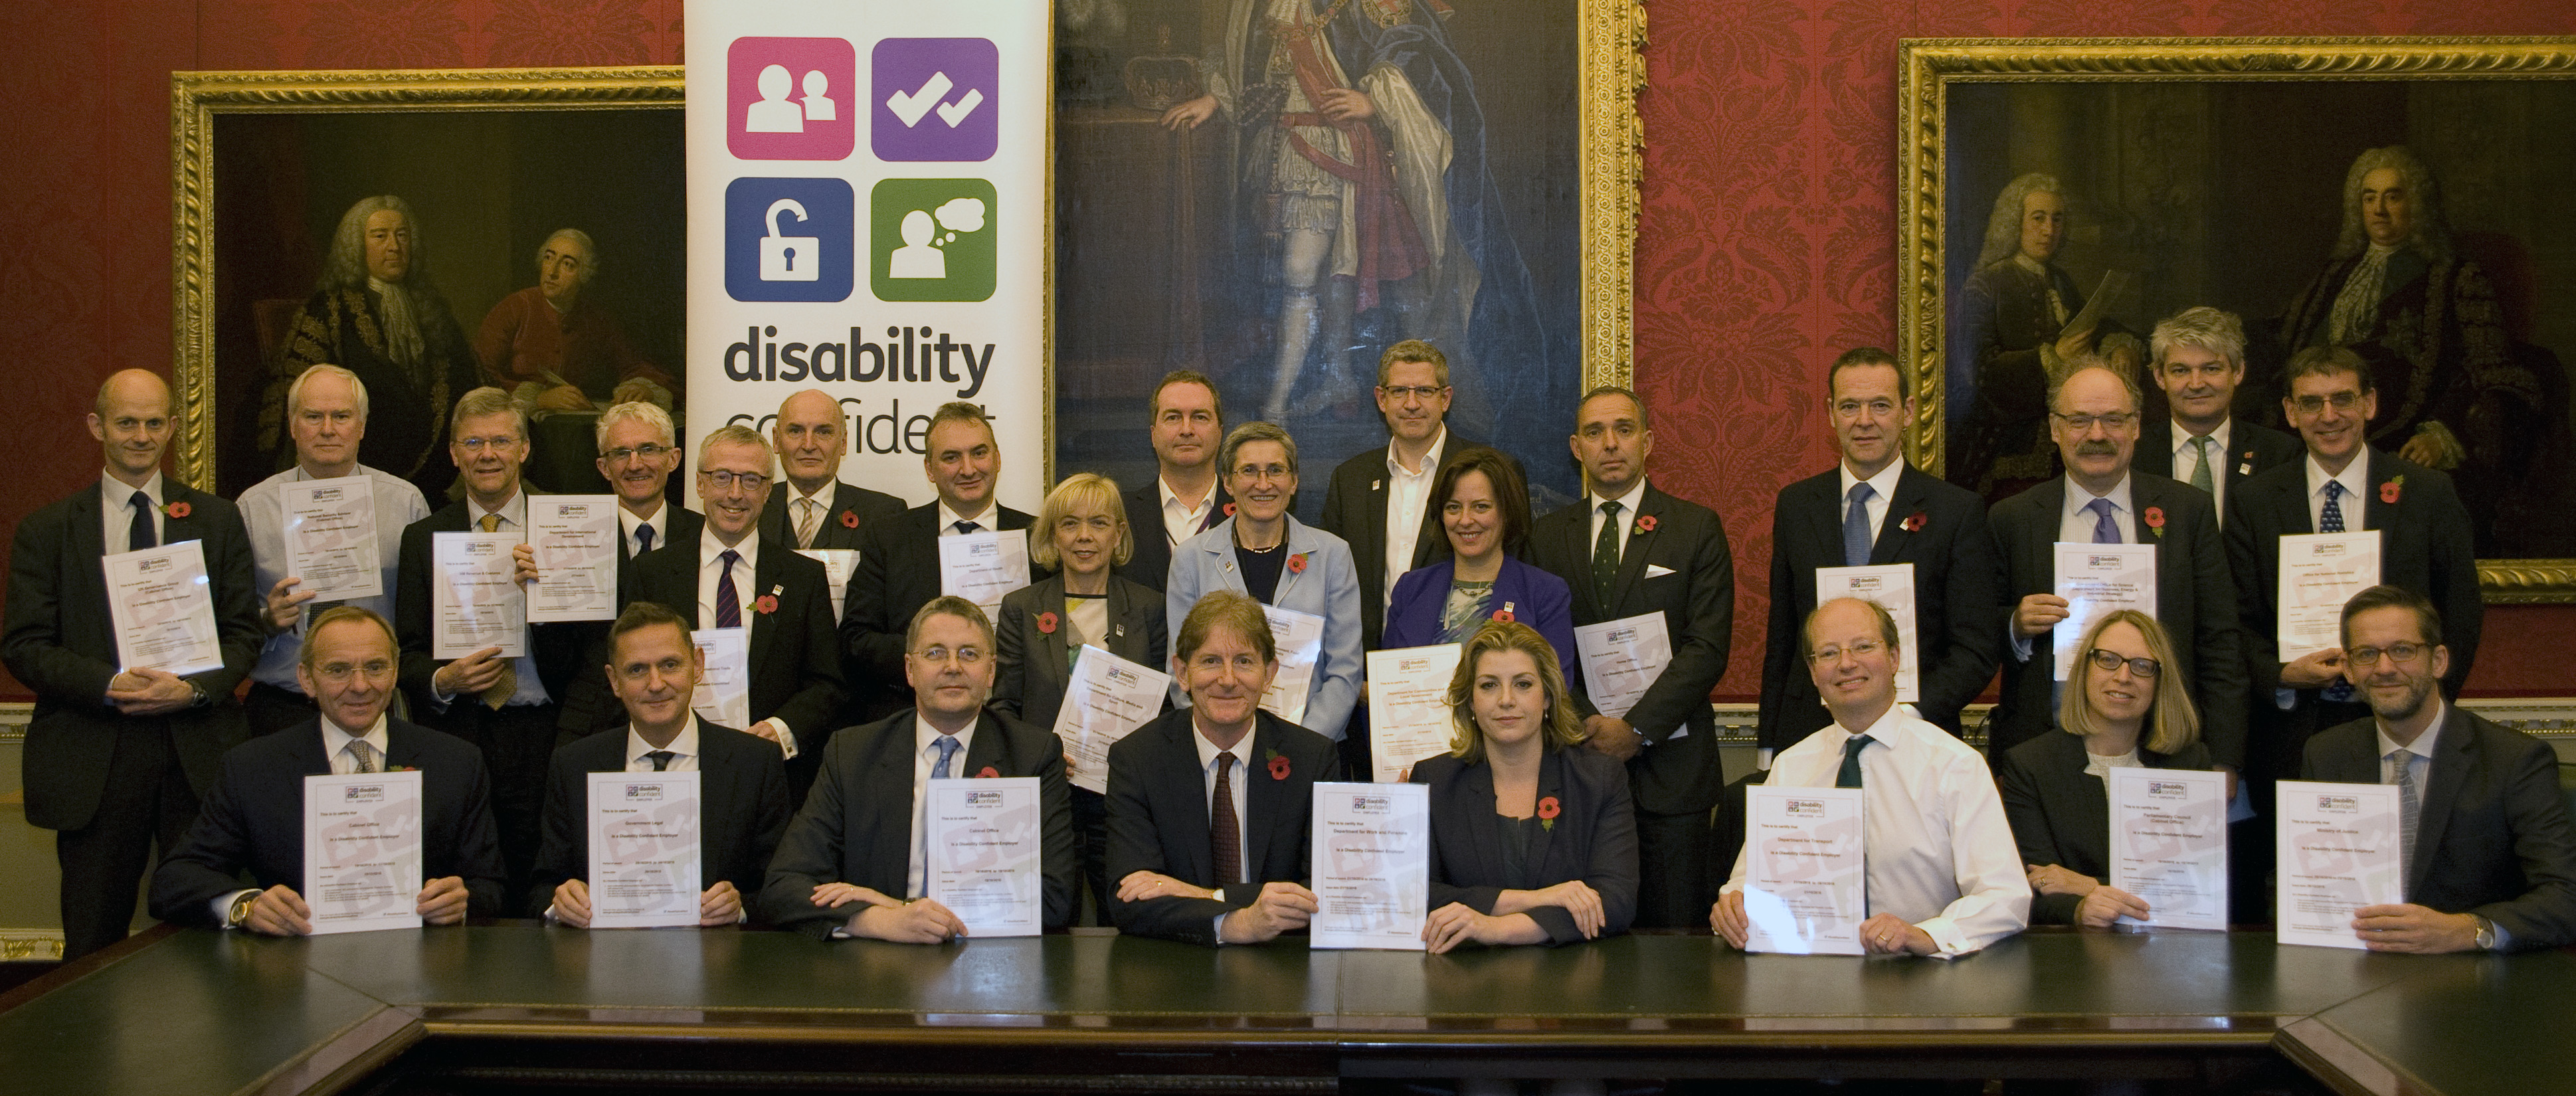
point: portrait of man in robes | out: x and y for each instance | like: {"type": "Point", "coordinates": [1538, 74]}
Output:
{"type": "Point", "coordinates": [558, 336]}
{"type": "Point", "coordinates": [2007, 340]}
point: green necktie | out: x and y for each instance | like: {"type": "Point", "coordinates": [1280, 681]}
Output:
{"type": "Point", "coordinates": [1850, 776]}
{"type": "Point", "coordinates": [2200, 472]}
{"type": "Point", "coordinates": [1605, 555]}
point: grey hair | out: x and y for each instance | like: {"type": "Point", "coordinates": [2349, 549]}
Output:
{"type": "Point", "coordinates": [2431, 234]}
{"type": "Point", "coordinates": [295, 391]}
{"type": "Point", "coordinates": [589, 266]}
{"type": "Point", "coordinates": [346, 268]}
{"type": "Point", "coordinates": [734, 434]}
{"type": "Point", "coordinates": [1252, 432]}
{"type": "Point", "coordinates": [2207, 328]}
{"type": "Point", "coordinates": [2003, 226]}
{"type": "Point", "coordinates": [634, 411]}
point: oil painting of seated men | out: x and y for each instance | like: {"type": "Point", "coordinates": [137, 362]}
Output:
{"type": "Point", "coordinates": [556, 335]}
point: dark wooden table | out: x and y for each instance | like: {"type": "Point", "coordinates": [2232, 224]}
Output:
{"type": "Point", "coordinates": [513, 1004]}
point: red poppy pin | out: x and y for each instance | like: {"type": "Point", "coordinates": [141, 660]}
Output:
{"type": "Point", "coordinates": [1645, 523]}
{"type": "Point", "coordinates": [2388, 492]}
{"type": "Point", "coordinates": [849, 519]}
{"type": "Point", "coordinates": [2155, 516]}
{"type": "Point", "coordinates": [987, 773]}
{"type": "Point", "coordinates": [180, 509]}
{"type": "Point", "coordinates": [1046, 623]}
{"type": "Point", "coordinates": [1297, 564]}
{"type": "Point", "coordinates": [1278, 764]}
{"type": "Point", "coordinates": [1548, 809]}
{"type": "Point", "coordinates": [1504, 614]}
{"type": "Point", "coordinates": [1915, 523]}
{"type": "Point", "coordinates": [768, 602]}
{"type": "Point", "coordinates": [1229, 509]}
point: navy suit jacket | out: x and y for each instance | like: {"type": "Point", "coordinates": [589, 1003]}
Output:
{"type": "Point", "coordinates": [2061, 815]}
{"type": "Point", "coordinates": [1592, 838]}
{"type": "Point", "coordinates": [742, 810]}
{"type": "Point", "coordinates": [1534, 597]}
{"type": "Point", "coordinates": [1158, 820]}
{"type": "Point", "coordinates": [795, 655]}
{"type": "Point", "coordinates": [898, 574]}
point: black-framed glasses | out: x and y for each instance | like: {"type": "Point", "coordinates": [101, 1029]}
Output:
{"type": "Point", "coordinates": [2345, 400]}
{"type": "Point", "coordinates": [2401, 653]}
{"type": "Point", "coordinates": [2107, 659]}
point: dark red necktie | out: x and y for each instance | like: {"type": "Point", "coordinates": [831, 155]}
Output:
{"type": "Point", "coordinates": [1225, 836]}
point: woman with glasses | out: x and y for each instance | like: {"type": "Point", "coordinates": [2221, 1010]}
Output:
{"type": "Point", "coordinates": [1484, 509]}
{"type": "Point", "coordinates": [1263, 551]}
{"type": "Point", "coordinates": [1082, 532]}
{"type": "Point", "coordinates": [2127, 708]}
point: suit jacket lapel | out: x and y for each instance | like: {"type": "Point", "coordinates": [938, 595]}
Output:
{"type": "Point", "coordinates": [1377, 496]}
{"type": "Point", "coordinates": [86, 600]}
{"type": "Point", "coordinates": [1551, 784]}
{"type": "Point", "coordinates": [892, 790]}
{"type": "Point", "coordinates": [1578, 550]}
{"type": "Point", "coordinates": [764, 576]}
{"type": "Point", "coordinates": [2453, 753]}
{"type": "Point", "coordinates": [1893, 539]}
{"type": "Point", "coordinates": [990, 749]}
{"type": "Point", "coordinates": [1632, 555]}
{"type": "Point", "coordinates": [1181, 754]}
{"type": "Point", "coordinates": [1484, 825]}
{"type": "Point", "coordinates": [1047, 662]}
{"type": "Point", "coordinates": [2375, 512]}
{"type": "Point", "coordinates": [1288, 574]}
{"type": "Point", "coordinates": [1264, 804]}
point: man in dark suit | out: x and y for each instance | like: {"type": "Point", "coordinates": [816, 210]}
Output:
{"type": "Point", "coordinates": [810, 508]}
{"type": "Point", "coordinates": [2199, 361]}
{"type": "Point", "coordinates": [1627, 550]}
{"type": "Point", "coordinates": [1209, 805]}
{"type": "Point", "coordinates": [742, 787]}
{"type": "Point", "coordinates": [2489, 854]}
{"type": "Point", "coordinates": [1380, 500]}
{"type": "Point", "coordinates": [637, 451]}
{"type": "Point", "coordinates": [1187, 496]}
{"type": "Point", "coordinates": [116, 758]}
{"type": "Point", "coordinates": [254, 817]}
{"type": "Point", "coordinates": [2093, 417]}
{"type": "Point", "coordinates": [861, 836]}
{"type": "Point", "coordinates": [732, 577]}
{"type": "Point", "coordinates": [510, 708]}
{"type": "Point", "coordinates": [899, 567]}
{"type": "Point", "coordinates": [1875, 509]}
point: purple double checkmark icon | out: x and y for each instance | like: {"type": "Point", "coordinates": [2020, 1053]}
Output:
{"type": "Point", "coordinates": [935, 99]}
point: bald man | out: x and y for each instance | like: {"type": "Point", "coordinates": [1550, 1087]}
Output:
{"type": "Point", "coordinates": [116, 757]}
{"type": "Point", "coordinates": [810, 507]}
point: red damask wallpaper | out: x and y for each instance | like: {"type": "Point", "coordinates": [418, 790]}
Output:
{"type": "Point", "coordinates": [1766, 243]}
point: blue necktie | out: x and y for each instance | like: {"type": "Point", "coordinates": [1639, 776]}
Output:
{"type": "Point", "coordinates": [643, 539]}
{"type": "Point", "coordinates": [1850, 776]}
{"type": "Point", "coordinates": [2105, 530]}
{"type": "Point", "coordinates": [139, 535]}
{"type": "Point", "coordinates": [948, 748]}
{"type": "Point", "coordinates": [965, 528]}
{"type": "Point", "coordinates": [1856, 526]}
{"type": "Point", "coordinates": [2331, 520]}
{"type": "Point", "coordinates": [728, 599]}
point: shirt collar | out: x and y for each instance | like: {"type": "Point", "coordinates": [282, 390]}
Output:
{"type": "Point", "coordinates": [1883, 484]}
{"type": "Point", "coordinates": [2354, 477]}
{"type": "Point", "coordinates": [684, 744]}
{"type": "Point", "coordinates": [2023, 260]}
{"type": "Point", "coordinates": [925, 736]}
{"type": "Point", "coordinates": [824, 493]}
{"type": "Point", "coordinates": [335, 740]}
{"type": "Point", "coordinates": [1242, 750]}
{"type": "Point", "coordinates": [948, 518]}
{"type": "Point", "coordinates": [2423, 745]}
{"type": "Point", "coordinates": [513, 512]}
{"type": "Point", "coordinates": [1891, 728]}
{"type": "Point", "coordinates": [2079, 496]}
{"type": "Point", "coordinates": [121, 497]}
{"type": "Point", "coordinates": [1172, 500]}
{"type": "Point", "coordinates": [709, 547]}
{"type": "Point", "coordinates": [2218, 438]}
{"type": "Point", "coordinates": [661, 522]}
{"type": "Point", "coordinates": [1627, 502]}
{"type": "Point", "coordinates": [1430, 457]}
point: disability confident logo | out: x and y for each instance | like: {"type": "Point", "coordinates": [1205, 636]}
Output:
{"type": "Point", "coordinates": [791, 98]}
{"type": "Point", "coordinates": [934, 99]}
{"type": "Point", "coordinates": [789, 239]}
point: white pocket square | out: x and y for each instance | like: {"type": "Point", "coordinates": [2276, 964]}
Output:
{"type": "Point", "coordinates": [1657, 570]}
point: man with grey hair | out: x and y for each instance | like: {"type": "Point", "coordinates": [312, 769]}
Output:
{"type": "Point", "coordinates": [555, 335]}
{"type": "Point", "coordinates": [2198, 357]}
{"type": "Point", "coordinates": [326, 414]}
{"type": "Point", "coordinates": [2008, 339]}
{"type": "Point", "coordinates": [376, 313]}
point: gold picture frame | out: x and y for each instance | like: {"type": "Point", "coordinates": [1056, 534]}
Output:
{"type": "Point", "coordinates": [1930, 71]}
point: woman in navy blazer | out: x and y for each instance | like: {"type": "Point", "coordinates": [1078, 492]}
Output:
{"type": "Point", "coordinates": [1532, 836]}
{"type": "Point", "coordinates": [1484, 508]}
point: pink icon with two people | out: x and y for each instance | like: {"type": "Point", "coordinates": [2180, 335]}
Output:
{"type": "Point", "coordinates": [784, 98]}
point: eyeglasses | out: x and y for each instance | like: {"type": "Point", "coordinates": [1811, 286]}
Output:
{"type": "Point", "coordinates": [2104, 659]}
{"type": "Point", "coordinates": [969, 657]}
{"type": "Point", "coordinates": [1863, 649]}
{"type": "Point", "coordinates": [477, 445]}
{"type": "Point", "coordinates": [2113, 420]}
{"type": "Point", "coordinates": [723, 480]}
{"type": "Point", "coordinates": [1273, 472]}
{"type": "Point", "coordinates": [339, 673]}
{"type": "Point", "coordinates": [1400, 391]}
{"type": "Point", "coordinates": [2345, 400]}
{"type": "Point", "coordinates": [2400, 653]}
{"type": "Point", "coordinates": [623, 454]}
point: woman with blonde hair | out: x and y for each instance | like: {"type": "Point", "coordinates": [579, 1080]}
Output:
{"type": "Point", "coordinates": [2127, 708]}
{"type": "Point", "coordinates": [1532, 837]}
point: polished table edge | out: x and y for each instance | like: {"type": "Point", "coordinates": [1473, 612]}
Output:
{"type": "Point", "coordinates": [85, 966]}
{"type": "Point", "coordinates": [346, 1056]}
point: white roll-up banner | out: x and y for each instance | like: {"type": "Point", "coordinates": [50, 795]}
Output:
{"type": "Point", "coordinates": [867, 216]}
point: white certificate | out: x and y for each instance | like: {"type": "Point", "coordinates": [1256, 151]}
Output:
{"type": "Point", "coordinates": [362, 854]}
{"type": "Point", "coordinates": [2319, 572]}
{"type": "Point", "coordinates": [331, 538]}
{"type": "Point", "coordinates": [163, 609]}
{"type": "Point", "coordinates": [474, 602]}
{"type": "Point", "coordinates": [643, 850]}
{"type": "Point", "coordinates": [2169, 845]}
{"type": "Point", "coordinates": [1891, 585]}
{"type": "Point", "coordinates": [575, 541]}
{"type": "Point", "coordinates": [2338, 852]}
{"type": "Point", "coordinates": [1408, 708]}
{"type": "Point", "coordinates": [838, 565]}
{"type": "Point", "coordinates": [1106, 698]}
{"type": "Point", "coordinates": [1300, 639]}
{"type": "Point", "coordinates": [1805, 883]}
{"type": "Point", "coordinates": [2096, 579]}
{"type": "Point", "coordinates": [983, 567]}
{"type": "Point", "coordinates": [724, 691]}
{"type": "Point", "coordinates": [1372, 862]}
{"type": "Point", "coordinates": [984, 865]}
{"type": "Point", "coordinates": [1621, 660]}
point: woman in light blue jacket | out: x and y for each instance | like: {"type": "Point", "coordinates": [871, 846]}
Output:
{"type": "Point", "coordinates": [1263, 551]}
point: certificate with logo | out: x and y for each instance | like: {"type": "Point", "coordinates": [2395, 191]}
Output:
{"type": "Point", "coordinates": [1300, 639]}
{"type": "Point", "coordinates": [724, 691]}
{"type": "Point", "coordinates": [983, 567]}
{"type": "Point", "coordinates": [575, 541]}
{"type": "Point", "coordinates": [2338, 853]}
{"type": "Point", "coordinates": [163, 609]}
{"type": "Point", "coordinates": [474, 599]}
{"type": "Point", "coordinates": [1408, 707]}
{"type": "Point", "coordinates": [331, 538]}
{"type": "Point", "coordinates": [838, 565]}
{"type": "Point", "coordinates": [1106, 698]}
{"type": "Point", "coordinates": [1805, 881]}
{"type": "Point", "coordinates": [984, 854]}
{"type": "Point", "coordinates": [644, 864]}
{"type": "Point", "coordinates": [2098, 579]}
{"type": "Point", "coordinates": [1891, 585]}
{"type": "Point", "coordinates": [2169, 845]}
{"type": "Point", "coordinates": [1621, 659]}
{"type": "Point", "coordinates": [2319, 572]}
{"type": "Point", "coordinates": [1372, 861]}
{"type": "Point", "coordinates": [362, 844]}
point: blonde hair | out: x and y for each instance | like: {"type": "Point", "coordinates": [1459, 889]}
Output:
{"type": "Point", "coordinates": [2172, 723]}
{"type": "Point", "coordinates": [1466, 739]}
{"type": "Point", "coordinates": [486, 400]}
{"type": "Point", "coordinates": [1079, 488]}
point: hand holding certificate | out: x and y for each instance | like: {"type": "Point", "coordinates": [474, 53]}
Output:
{"type": "Point", "coordinates": [984, 838]}
{"type": "Point", "coordinates": [362, 851]}
{"type": "Point", "coordinates": [2169, 845]}
{"type": "Point", "coordinates": [1372, 862]}
{"type": "Point", "coordinates": [984, 567]}
{"type": "Point", "coordinates": [163, 609]}
{"type": "Point", "coordinates": [644, 865]}
{"type": "Point", "coordinates": [575, 539]}
{"type": "Point", "coordinates": [1621, 660]}
{"type": "Point", "coordinates": [2338, 853]}
{"type": "Point", "coordinates": [331, 538]}
{"type": "Point", "coordinates": [1892, 587]}
{"type": "Point", "coordinates": [1804, 875]}
{"type": "Point", "coordinates": [2319, 573]}
{"type": "Point", "coordinates": [1106, 698]}
{"type": "Point", "coordinates": [474, 596]}
{"type": "Point", "coordinates": [2096, 579]}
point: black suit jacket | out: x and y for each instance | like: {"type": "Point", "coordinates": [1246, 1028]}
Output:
{"type": "Point", "coordinates": [2061, 815]}
{"type": "Point", "coordinates": [1150, 566]}
{"type": "Point", "coordinates": [2251, 451]}
{"type": "Point", "coordinates": [795, 657]}
{"type": "Point", "coordinates": [1355, 510]}
{"type": "Point", "coordinates": [61, 643]}
{"type": "Point", "coordinates": [2493, 837]}
{"type": "Point", "coordinates": [856, 826]}
{"type": "Point", "coordinates": [898, 574]}
{"type": "Point", "coordinates": [1033, 672]}
{"type": "Point", "coordinates": [1158, 820]}
{"type": "Point", "coordinates": [855, 511]}
{"type": "Point", "coordinates": [742, 810]}
{"type": "Point", "coordinates": [588, 706]}
{"type": "Point", "coordinates": [1697, 599]}
{"type": "Point", "coordinates": [253, 820]}
{"type": "Point", "coordinates": [1592, 838]}
{"type": "Point", "coordinates": [2195, 602]}
{"type": "Point", "coordinates": [1954, 595]}
{"type": "Point", "coordinates": [564, 651]}
{"type": "Point", "coordinates": [2424, 546]}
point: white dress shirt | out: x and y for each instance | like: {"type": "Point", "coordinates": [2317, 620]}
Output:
{"type": "Point", "coordinates": [1882, 489]}
{"type": "Point", "coordinates": [1936, 848]}
{"type": "Point", "coordinates": [1240, 785]}
{"type": "Point", "coordinates": [263, 511]}
{"type": "Point", "coordinates": [983, 518]}
{"type": "Point", "coordinates": [2355, 479]}
{"type": "Point", "coordinates": [1183, 520]}
{"type": "Point", "coordinates": [514, 519]}
{"type": "Point", "coordinates": [711, 569]}
{"type": "Point", "coordinates": [683, 750]}
{"type": "Point", "coordinates": [1407, 493]}
{"type": "Point", "coordinates": [335, 746]}
{"type": "Point", "coordinates": [925, 753]}
{"type": "Point", "coordinates": [116, 514]}
{"type": "Point", "coordinates": [2075, 523]}
{"type": "Point", "coordinates": [2186, 456]}
{"type": "Point", "coordinates": [1627, 517]}
{"type": "Point", "coordinates": [628, 523]}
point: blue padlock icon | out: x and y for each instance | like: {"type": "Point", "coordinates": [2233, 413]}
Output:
{"type": "Point", "coordinates": [789, 258]}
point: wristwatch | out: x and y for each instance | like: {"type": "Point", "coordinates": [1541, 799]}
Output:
{"type": "Point", "coordinates": [197, 696]}
{"type": "Point", "coordinates": [2486, 932]}
{"type": "Point", "coordinates": [238, 913]}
